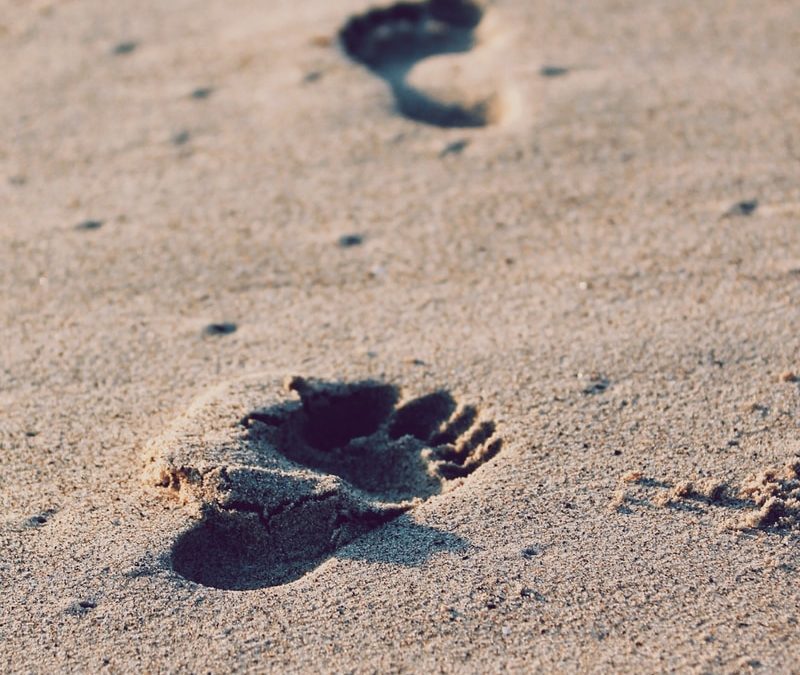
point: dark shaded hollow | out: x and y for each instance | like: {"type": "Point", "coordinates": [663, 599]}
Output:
{"type": "Point", "coordinates": [234, 551]}
{"type": "Point", "coordinates": [343, 429]}
{"type": "Point", "coordinates": [422, 108]}
{"type": "Point", "coordinates": [391, 40]}
{"type": "Point", "coordinates": [422, 417]}
{"type": "Point", "coordinates": [357, 432]}
{"type": "Point", "coordinates": [461, 13]}
{"type": "Point", "coordinates": [335, 415]}
{"type": "Point", "coordinates": [459, 425]}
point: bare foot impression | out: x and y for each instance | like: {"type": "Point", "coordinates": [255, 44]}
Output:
{"type": "Point", "coordinates": [419, 49]}
{"type": "Point", "coordinates": [284, 475]}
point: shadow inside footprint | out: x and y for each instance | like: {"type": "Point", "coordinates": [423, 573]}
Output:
{"type": "Point", "coordinates": [358, 458]}
{"type": "Point", "coordinates": [403, 542]}
{"type": "Point", "coordinates": [391, 40]}
{"type": "Point", "coordinates": [233, 551]}
{"type": "Point", "coordinates": [357, 432]}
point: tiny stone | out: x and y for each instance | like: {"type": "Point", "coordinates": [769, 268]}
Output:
{"type": "Point", "coordinates": [89, 225]}
{"type": "Point", "coordinates": [181, 138]}
{"type": "Point", "coordinates": [36, 521]}
{"type": "Point", "coordinates": [743, 208]}
{"type": "Point", "coordinates": [220, 329]}
{"type": "Point", "coordinates": [321, 41]}
{"type": "Point", "coordinates": [632, 476]}
{"type": "Point", "coordinates": [454, 148]}
{"type": "Point", "coordinates": [553, 71]}
{"type": "Point", "coordinates": [81, 607]}
{"type": "Point", "coordinates": [124, 48]}
{"type": "Point", "coordinates": [597, 386]}
{"type": "Point", "coordinates": [350, 240]}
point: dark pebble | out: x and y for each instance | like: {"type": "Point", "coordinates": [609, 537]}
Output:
{"type": "Point", "coordinates": [202, 93]}
{"type": "Point", "coordinates": [553, 71]}
{"type": "Point", "coordinates": [181, 138]}
{"type": "Point", "coordinates": [454, 148]}
{"type": "Point", "coordinates": [597, 386]}
{"type": "Point", "coordinates": [81, 607]}
{"type": "Point", "coordinates": [219, 329]}
{"type": "Point", "coordinates": [124, 48]}
{"type": "Point", "coordinates": [89, 225]}
{"type": "Point", "coordinates": [350, 240]}
{"type": "Point", "coordinates": [745, 208]}
{"type": "Point", "coordinates": [36, 521]}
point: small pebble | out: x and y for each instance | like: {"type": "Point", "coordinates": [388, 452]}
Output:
{"type": "Point", "coordinates": [181, 138]}
{"type": "Point", "coordinates": [454, 148]}
{"type": "Point", "coordinates": [36, 521]}
{"type": "Point", "coordinates": [744, 208]}
{"type": "Point", "coordinates": [81, 607]}
{"type": "Point", "coordinates": [597, 386]}
{"type": "Point", "coordinates": [219, 329]}
{"type": "Point", "coordinates": [321, 41]}
{"type": "Point", "coordinates": [553, 71]}
{"type": "Point", "coordinates": [124, 48]}
{"type": "Point", "coordinates": [89, 225]}
{"type": "Point", "coordinates": [350, 240]}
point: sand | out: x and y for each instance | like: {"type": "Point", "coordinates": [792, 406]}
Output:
{"type": "Point", "coordinates": [344, 339]}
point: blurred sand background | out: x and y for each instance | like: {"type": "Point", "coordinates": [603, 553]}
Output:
{"type": "Point", "coordinates": [609, 271]}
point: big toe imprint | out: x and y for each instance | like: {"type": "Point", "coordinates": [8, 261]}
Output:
{"type": "Point", "coordinates": [419, 50]}
{"type": "Point", "coordinates": [287, 474]}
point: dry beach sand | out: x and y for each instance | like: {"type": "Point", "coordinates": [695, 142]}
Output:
{"type": "Point", "coordinates": [354, 338]}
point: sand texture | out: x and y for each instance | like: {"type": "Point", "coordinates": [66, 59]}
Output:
{"type": "Point", "coordinates": [427, 337]}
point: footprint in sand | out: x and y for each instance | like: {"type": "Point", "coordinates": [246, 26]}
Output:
{"type": "Point", "coordinates": [419, 49]}
{"type": "Point", "coordinates": [285, 475]}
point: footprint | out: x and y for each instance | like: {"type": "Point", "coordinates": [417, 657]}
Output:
{"type": "Point", "coordinates": [285, 475]}
{"type": "Point", "coordinates": [419, 48]}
